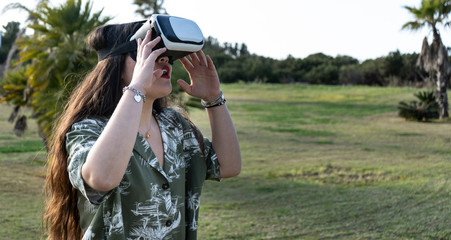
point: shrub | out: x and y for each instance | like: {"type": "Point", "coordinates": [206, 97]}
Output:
{"type": "Point", "coordinates": [423, 110]}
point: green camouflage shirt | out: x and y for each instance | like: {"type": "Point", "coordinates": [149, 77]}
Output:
{"type": "Point", "coordinates": [150, 202]}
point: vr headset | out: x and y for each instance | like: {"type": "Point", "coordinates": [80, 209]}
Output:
{"type": "Point", "coordinates": [180, 36]}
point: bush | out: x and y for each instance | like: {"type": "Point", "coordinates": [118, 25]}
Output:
{"type": "Point", "coordinates": [423, 110]}
{"type": "Point", "coordinates": [351, 75]}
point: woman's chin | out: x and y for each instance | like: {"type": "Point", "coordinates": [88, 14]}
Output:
{"type": "Point", "coordinates": [164, 89]}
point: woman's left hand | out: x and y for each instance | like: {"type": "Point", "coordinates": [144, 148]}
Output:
{"type": "Point", "coordinates": [203, 76]}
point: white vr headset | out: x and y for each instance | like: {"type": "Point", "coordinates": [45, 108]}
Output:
{"type": "Point", "coordinates": [179, 36]}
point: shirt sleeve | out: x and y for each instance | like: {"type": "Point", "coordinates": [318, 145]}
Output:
{"type": "Point", "coordinates": [79, 141]}
{"type": "Point", "coordinates": [192, 148]}
{"type": "Point", "coordinates": [212, 162]}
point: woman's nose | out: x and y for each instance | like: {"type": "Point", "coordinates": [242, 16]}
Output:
{"type": "Point", "coordinates": [163, 60]}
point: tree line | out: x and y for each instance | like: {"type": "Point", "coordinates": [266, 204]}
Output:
{"type": "Point", "coordinates": [49, 63]}
{"type": "Point", "coordinates": [236, 64]}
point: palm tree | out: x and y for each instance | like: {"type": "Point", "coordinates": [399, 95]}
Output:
{"type": "Point", "coordinates": [50, 57]}
{"type": "Point", "coordinates": [434, 58]}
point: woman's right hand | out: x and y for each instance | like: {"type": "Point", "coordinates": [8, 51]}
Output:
{"type": "Point", "coordinates": [144, 73]}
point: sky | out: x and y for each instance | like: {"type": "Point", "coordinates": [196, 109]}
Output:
{"type": "Point", "coordinates": [363, 29]}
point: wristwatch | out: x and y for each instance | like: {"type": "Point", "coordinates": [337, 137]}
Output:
{"type": "Point", "coordinates": [138, 94]}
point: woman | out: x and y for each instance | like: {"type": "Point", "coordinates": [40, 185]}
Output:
{"type": "Point", "coordinates": [125, 166]}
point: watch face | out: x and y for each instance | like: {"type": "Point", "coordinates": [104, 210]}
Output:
{"type": "Point", "coordinates": [138, 98]}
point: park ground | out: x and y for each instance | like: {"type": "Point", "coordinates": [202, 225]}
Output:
{"type": "Point", "coordinates": [319, 162]}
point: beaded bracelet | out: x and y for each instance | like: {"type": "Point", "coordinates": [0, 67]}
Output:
{"type": "Point", "coordinates": [214, 103]}
{"type": "Point", "coordinates": [217, 104]}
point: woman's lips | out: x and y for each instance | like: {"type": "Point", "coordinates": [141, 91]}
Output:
{"type": "Point", "coordinates": [166, 72]}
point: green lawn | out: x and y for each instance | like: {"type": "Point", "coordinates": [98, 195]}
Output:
{"type": "Point", "coordinates": [319, 162]}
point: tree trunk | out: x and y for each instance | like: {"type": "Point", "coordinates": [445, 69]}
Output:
{"type": "Point", "coordinates": [13, 49]}
{"type": "Point", "coordinates": [442, 70]}
{"type": "Point", "coordinates": [442, 96]}
{"type": "Point", "coordinates": [434, 59]}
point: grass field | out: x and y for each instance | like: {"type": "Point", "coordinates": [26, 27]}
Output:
{"type": "Point", "coordinates": [319, 162]}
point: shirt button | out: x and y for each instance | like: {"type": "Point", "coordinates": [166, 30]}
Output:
{"type": "Point", "coordinates": [165, 186]}
{"type": "Point", "coordinates": [168, 223]}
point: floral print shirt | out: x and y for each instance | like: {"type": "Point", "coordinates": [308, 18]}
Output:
{"type": "Point", "coordinates": [150, 202]}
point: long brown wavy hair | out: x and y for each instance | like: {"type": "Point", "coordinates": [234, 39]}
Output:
{"type": "Point", "coordinates": [97, 95]}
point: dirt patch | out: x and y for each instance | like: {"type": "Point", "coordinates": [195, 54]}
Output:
{"type": "Point", "coordinates": [21, 178]}
{"type": "Point", "coordinates": [338, 175]}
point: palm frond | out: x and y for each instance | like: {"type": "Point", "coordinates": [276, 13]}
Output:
{"type": "Point", "coordinates": [431, 12]}
{"type": "Point", "coordinates": [413, 25]}
{"type": "Point", "coordinates": [56, 49]}
{"type": "Point", "coordinates": [423, 110]}
{"type": "Point", "coordinates": [13, 6]}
